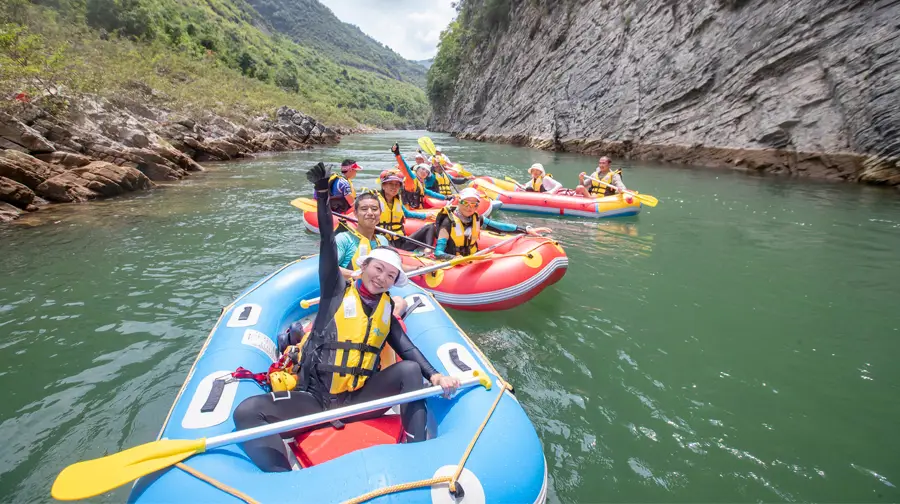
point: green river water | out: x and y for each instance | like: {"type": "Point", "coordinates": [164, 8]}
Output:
{"type": "Point", "coordinates": [737, 343]}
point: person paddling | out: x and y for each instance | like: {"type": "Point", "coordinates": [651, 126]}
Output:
{"type": "Point", "coordinates": [440, 180]}
{"type": "Point", "coordinates": [612, 179]}
{"type": "Point", "coordinates": [457, 228]}
{"type": "Point", "coordinates": [353, 320]}
{"type": "Point", "coordinates": [541, 181]}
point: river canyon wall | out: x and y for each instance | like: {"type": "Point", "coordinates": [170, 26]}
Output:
{"type": "Point", "coordinates": [804, 87]}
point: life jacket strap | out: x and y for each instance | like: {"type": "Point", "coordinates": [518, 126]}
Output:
{"type": "Point", "coordinates": [345, 370]}
{"type": "Point", "coordinates": [346, 345]}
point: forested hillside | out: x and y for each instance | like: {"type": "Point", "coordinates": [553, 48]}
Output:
{"type": "Point", "coordinates": [217, 54]}
{"type": "Point", "coordinates": [312, 24]}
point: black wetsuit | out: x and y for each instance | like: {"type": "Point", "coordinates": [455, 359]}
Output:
{"type": "Point", "coordinates": [268, 453]}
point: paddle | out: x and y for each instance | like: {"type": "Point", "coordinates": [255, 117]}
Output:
{"type": "Point", "coordinates": [94, 477]}
{"type": "Point", "coordinates": [477, 256]}
{"type": "Point", "coordinates": [646, 199]}
{"type": "Point", "coordinates": [306, 303]}
{"type": "Point", "coordinates": [310, 205]}
{"type": "Point", "coordinates": [428, 146]}
{"type": "Point", "coordinates": [510, 179]}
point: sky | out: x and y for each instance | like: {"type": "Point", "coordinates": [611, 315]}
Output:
{"type": "Point", "coordinates": [412, 28]}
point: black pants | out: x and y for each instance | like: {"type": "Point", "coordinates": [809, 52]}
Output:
{"type": "Point", "coordinates": [425, 234]}
{"type": "Point", "coordinates": [269, 454]}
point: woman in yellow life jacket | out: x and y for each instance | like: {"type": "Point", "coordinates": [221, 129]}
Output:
{"type": "Point", "coordinates": [458, 228]}
{"type": "Point", "coordinates": [339, 357]}
{"type": "Point", "coordinates": [393, 212]}
{"type": "Point", "coordinates": [541, 181]}
{"type": "Point", "coordinates": [440, 181]}
{"type": "Point", "coordinates": [613, 179]}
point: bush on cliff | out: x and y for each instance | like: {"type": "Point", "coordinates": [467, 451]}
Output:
{"type": "Point", "coordinates": [476, 22]}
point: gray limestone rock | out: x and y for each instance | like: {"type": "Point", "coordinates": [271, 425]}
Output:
{"type": "Point", "coordinates": [677, 80]}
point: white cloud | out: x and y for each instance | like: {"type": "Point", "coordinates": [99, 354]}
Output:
{"type": "Point", "coordinates": [410, 27]}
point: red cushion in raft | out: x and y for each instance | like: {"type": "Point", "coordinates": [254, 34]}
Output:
{"type": "Point", "coordinates": [322, 445]}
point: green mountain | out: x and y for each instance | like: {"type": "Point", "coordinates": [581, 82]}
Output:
{"type": "Point", "coordinates": [225, 40]}
{"type": "Point", "coordinates": [426, 63]}
{"type": "Point", "coordinates": [312, 24]}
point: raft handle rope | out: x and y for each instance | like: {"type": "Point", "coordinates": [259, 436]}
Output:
{"type": "Point", "coordinates": [216, 483]}
{"type": "Point", "coordinates": [456, 490]}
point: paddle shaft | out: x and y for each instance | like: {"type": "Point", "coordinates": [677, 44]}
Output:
{"type": "Point", "coordinates": [610, 185]}
{"type": "Point", "coordinates": [452, 262]}
{"type": "Point", "coordinates": [326, 416]}
{"type": "Point", "coordinates": [385, 231]}
{"type": "Point", "coordinates": [306, 303]}
{"type": "Point", "coordinates": [514, 181]}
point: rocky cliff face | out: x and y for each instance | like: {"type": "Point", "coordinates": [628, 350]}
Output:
{"type": "Point", "coordinates": [102, 148]}
{"type": "Point", "coordinates": [806, 87]}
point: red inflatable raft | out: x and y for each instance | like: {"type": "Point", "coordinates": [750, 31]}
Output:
{"type": "Point", "coordinates": [311, 221]}
{"type": "Point", "coordinates": [514, 273]}
{"type": "Point", "coordinates": [514, 200]}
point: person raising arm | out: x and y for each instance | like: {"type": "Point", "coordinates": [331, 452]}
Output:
{"type": "Point", "coordinates": [353, 318]}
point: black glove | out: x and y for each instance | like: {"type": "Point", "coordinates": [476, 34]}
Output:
{"type": "Point", "coordinates": [319, 175]}
{"type": "Point", "coordinates": [395, 149]}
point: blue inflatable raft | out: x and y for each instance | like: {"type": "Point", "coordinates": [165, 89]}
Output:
{"type": "Point", "coordinates": [506, 464]}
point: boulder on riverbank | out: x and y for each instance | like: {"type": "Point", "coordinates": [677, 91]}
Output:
{"type": "Point", "coordinates": [102, 148]}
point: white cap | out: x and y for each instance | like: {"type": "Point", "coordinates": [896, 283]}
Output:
{"type": "Point", "coordinates": [420, 155]}
{"type": "Point", "coordinates": [538, 166]}
{"type": "Point", "coordinates": [438, 149]}
{"type": "Point", "coordinates": [469, 193]}
{"type": "Point", "coordinates": [388, 257]}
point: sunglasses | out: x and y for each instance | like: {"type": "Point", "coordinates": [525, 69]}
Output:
{"type": "Point", "coordinates": [467, 203]}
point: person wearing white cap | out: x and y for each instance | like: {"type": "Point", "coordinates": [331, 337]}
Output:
{"type": "Point", "coordinates": [612, 179]}
{"type": "Point", "coordinates": [440, 157]}
{"type": "Point", "coordinates": [541, 181]}
{"type": "Point", "coordinates": [457, 228]}
{"type": "Point", "coordinates": [415, 181]}
{"type": "Point", "coordinates": [339, 356]}
{"type": "Point", "coordinates": [440, 180]}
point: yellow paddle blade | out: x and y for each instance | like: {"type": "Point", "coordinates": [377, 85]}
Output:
{"type": "Point", "coordinates": [462, 171]}
{"type": "Point", "coordinates": [305, 204]}
{"type": "Point", "coordinates": [489, 190]}
{"type": "Point", "coordinates": [427, 145]}
{"type": "Point", "coordinates": [646, 199]}
{"type": "Point", "coordinates": [94, 477]}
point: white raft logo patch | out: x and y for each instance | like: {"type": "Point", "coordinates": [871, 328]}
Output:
{"type": "Point", "coordinates": [349, 307]}
{"type": "Point", "coordinates": [261, 342]}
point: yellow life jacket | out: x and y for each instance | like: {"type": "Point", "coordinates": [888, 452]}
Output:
{"type": "Point", "coordinates": [464, 245]}
{"type": "Point", "coordinates": [596, 188]}
{"type": "Point", "coordinates": [416, 198]}
{"type": "Point", "coordinates": [365, 246]}
{"type": "Point", "coordinates": [352, 357]}
{"type": "Point", "coordinates": [443, 183]}
{"type": "Point", "coordinates": [392, 217]}
{"type": "Point", "coordinates": [537, 184]}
